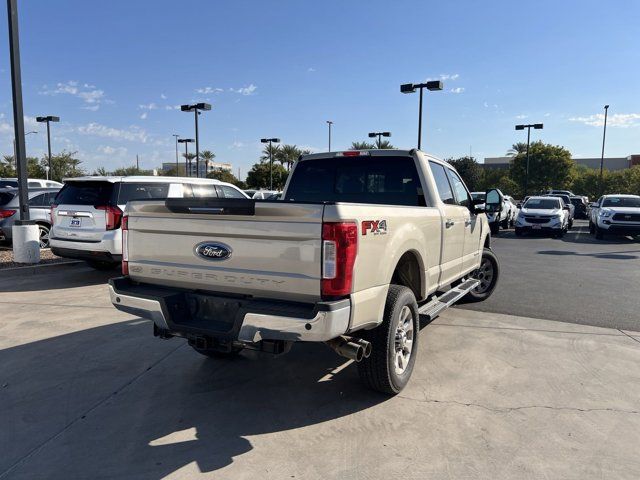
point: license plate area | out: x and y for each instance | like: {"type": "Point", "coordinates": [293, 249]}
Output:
{"type": "Point", "coordinates": [537, 227]}
{"type": "Point", "coordinates": [75, 222]}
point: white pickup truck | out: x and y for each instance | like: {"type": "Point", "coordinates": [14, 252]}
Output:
{"type": "Point", "coordinates": [359, 246]}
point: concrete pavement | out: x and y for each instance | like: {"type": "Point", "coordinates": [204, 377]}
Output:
{"type": "Point", "coordinates": [87, 392]}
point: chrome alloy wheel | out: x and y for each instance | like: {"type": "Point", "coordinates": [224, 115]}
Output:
{"type": "Point", "coordinates": [403, 340]}
{"type": "Point", "coordinates": [485, 274]}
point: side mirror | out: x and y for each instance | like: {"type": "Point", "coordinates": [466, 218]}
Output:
{"type": "Point", "coordinates": [519, 205]}
{"type": "Point", "coordinates": [493, 202]}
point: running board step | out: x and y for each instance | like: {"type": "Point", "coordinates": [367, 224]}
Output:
{"type": "Point", "coordinates": [433, 308]}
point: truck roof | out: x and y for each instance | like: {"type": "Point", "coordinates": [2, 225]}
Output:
{"type": "Point", "coordinates": [141, 178]}
{"type": "Point", "coordinates": [365, 153]}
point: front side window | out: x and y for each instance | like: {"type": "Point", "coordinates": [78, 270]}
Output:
{"type": "Point", "coordinates": [203, 190]}
{"type": "Point", "coordinates": [460, 191]}
{"type": "Point", "coordinates": [229, 192]}
{"type": "Point", "coordinates": [442, 183]}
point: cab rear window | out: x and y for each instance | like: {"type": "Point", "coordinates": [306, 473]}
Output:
{"type": "Point", "coordinates": [142, 191]}
{"type": "Point", "coordinates": [86, 193]}
{"type": "Point", "coordinates": [380, 180]}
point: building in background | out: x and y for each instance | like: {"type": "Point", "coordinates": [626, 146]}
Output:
{"type": "Point", "coordinates": [610, 163]}
{"type": "Point", "coordinates": [213, 167]}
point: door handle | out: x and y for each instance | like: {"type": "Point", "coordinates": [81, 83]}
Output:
{"type": "Point", "coordinates": [449, 223]}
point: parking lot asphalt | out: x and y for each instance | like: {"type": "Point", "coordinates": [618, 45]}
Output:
{"type": "Point", "coordinates": [576, 279]}
{"type": "Point", "coordinates": [87, 392]}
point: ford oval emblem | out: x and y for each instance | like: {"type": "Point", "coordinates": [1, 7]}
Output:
{"type": "Point", "coordinates": [213, 251]}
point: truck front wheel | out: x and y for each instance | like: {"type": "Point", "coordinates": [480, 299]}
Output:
{"type": "Point", "coordinates": [487, 274]}
{"type": "Point", "coordinates": [394, 343]}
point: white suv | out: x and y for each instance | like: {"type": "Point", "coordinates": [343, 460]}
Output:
{"type": "Point", "coordinates": [543, 214]}
{"type": "Point", "coordinates": [615, 214]}
{"type": "Point", "coordinates": [87, 212]}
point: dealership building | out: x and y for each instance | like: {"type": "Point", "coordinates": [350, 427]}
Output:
{"type": "Point", "coordinates": [610, 163]}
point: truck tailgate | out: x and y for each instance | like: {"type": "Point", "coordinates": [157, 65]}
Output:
{"type": "Point", "coordinates": [275, 252]}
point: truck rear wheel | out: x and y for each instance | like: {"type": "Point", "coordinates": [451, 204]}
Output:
{"type": "Point", "coordinates": [394, 344]}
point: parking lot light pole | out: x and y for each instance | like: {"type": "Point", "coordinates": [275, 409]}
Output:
{"type": "Point", "coordinates": [187, 163]}
{"type": "Point", "coordinates": [329, 123]}
{"type": "Point", "coordinates": [196, 108]}
{"type": "Point", "coordinates": [48, 119]}
{"type": "Point", "coordinates": [379, 135]}
{"type": "Point", "coordinates": [270, 141]}
{"type": "Point", "coordinates": [177, 165]}
{"type": "Point", "coordinates": [604, 135]}
{"type": "Point", "coordinates": [433, 85]}
{"type": "Point", "coordinates": [536, 126]}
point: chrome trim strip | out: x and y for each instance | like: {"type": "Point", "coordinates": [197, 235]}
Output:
{"type": "Point", "coordinates": [142, 307]}
{"type": "Point", "coordinates": [69, 213]}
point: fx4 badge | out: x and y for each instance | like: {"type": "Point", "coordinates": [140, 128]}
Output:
{"type": "Point", "coordinates": [376, 227]}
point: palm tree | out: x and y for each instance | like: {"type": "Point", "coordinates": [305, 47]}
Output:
{"type": "Point", "coordinates": [287, 155]}
{"type": "Point", "coordinates": [516, 149]}
{"type": "Point", "coordinates": [362, 146]}
{"type": "Point", "coordinates": [101, 172]}
{"type": "Point", "coordinates": [188, 157]}
{"type": "Point", "coordinates": [269, 149]}
{"type": "Point", "coordinates": [384, 145]}
{"type": "Point", "coordinates": [207, 156]}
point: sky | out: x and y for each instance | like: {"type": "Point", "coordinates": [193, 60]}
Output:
{"type": "Point", "coordinates": [117, 71]}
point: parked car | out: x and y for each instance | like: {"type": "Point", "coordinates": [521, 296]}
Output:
{"type": "Point", "coordinates": [499, 217]}
{"type": "Point", "coordinates": [561, 192]}
{"type": "Point", "coordinates": [543, 214]}
{"type": "Point", "coordinates": [513, 209]}
{"type": "Point", "coordinates": [615, 214]}
{"type": "Point", "coordinates": [87, 213]}
{"type": "Point", "coordinates": [250, 192]}
{"type": "Point", "coordinates": [40, 201]}
{"type": "Point", "coordinates": [264, 194]}
{"type": "Point", "coordinates": [566, 200]}
{"type": "Point", "coordinates": [31, 183]}
{"type": "Point", "coordinates": [581, 207]}
{"type": "Point", "coordinates": [358, 240]}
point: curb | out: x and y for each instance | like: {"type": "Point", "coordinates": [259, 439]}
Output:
{"type": "Point", "coordinates": [31, 269]}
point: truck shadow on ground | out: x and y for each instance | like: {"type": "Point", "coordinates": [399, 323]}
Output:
{"type": "Point", "coordinates": [72, 276]}
{"type": "Point", "coordinates": [604, 255]}
{"type": "Point", "coordinates": [137, 407]}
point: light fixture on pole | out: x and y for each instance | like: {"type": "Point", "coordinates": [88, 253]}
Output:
{"type": "Point", "coordinates": [177, 165]}
{"type": "Point", "coordinates": [329, 123]}
{"type": "Point", "coordinates": [432, 85]}
{"type": "Point", "coordinates": [379, 135]}
{"type": "Point", "coordinates": [535, 126]}
{"type": "Point", "coordinates": [187, 162]}
{"type": "Point", "coordinates": [604, 135]}
{"type": "Point", "coordinates": [196, 108]}
{"type": "Point", "coordinates": [48, 119]}
{"type": "Point", "coordinates": [270, 141]}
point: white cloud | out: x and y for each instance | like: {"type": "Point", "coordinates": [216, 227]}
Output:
{"type": "Point", "coordinates": [133, 134]}
{"type": "Point", "coordinates": [249, 90]}
{"type": "Point", "coordinates": [236, 145]}
{"type": "Point", "coordinates": [172, 107]}
{"type": "Point", "coordinates": [547, 114]}
{"type": "Point", "coordinates": [163, 96]}
{"type": "Point", "coordinates": [311, 69]}
{"type": "Point", "coordinates": [89, 94]}
{"type": "Point", "coordinates": [445, 76]}
{"type": "Point", "coordinates": [115, 151]}
{"type": "Point", "coordinates": [6, 127]}
{"type": "Point", "coordinates": [522, 116]}
{"type": "Point", "coordinates": [209, 90]}
{"type": "Point", "coordinates": [486, 105]}
{"type": "Point", "coordinates": [457, 90]}
{"type": "Point", "coordinates": [623, 120]}
{"type": "Point", "coordinates": [148, 106]}
{"type": "Point", "coordinates": [144, 116]}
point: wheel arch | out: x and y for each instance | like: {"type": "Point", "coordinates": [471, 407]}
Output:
{"type": "Point", "coordinates": [409, 271]}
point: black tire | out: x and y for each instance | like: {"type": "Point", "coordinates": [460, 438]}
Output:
{"type": "Point", "coordinates": [505, 224]}
{"type": "Point", "coordinates": [379, 372]}
{"type": "Point", "coordinates": [488, 273]}
{"type": "Point", "coordinates": [211, 353]}
{"type": "Point", "coordinates": [494, 228]}
{"type": "Point", "coordinates": [592, 229]}
{"type": "Point", "coordinates": [570, 224]}
{"type": "Point", "coordinates": [599, 233]}
{"type": "Point", "coordinates": [519, 232]}
{"type": "Point", "coordinates": [102, 266]}
{"type": "Point", "coordinates": [45, 230]}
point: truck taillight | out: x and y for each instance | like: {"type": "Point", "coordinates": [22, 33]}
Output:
{"type": "Point", "coordinates": [113, 216]}
{"type": "Point", "coordinates": [125, 245]}
{"type": "Point", "coordinates": [339, 249]}
{"type": "Point", "coordinates": [52, 214]}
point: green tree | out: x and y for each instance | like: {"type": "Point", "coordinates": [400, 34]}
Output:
{"type": "Point", "coordinates": [207, 156]}
{"type": "Point", "coordinates": [258, 176]}
{"type": "Point", "coordinates": [6, 166]}
{"type": "Point", "coordinates": [224, 176]}
{"type": "Point", "coordinates": [270, 149]}
{"type": "Point", "coordinates": [287, 155]}
{"type": "Point", "coordinates": [362, 146]}
{"type": "Point", "coordinates": [469, 170]}
{"type": "Point", "coordinates": [550, 166]}
{"type": "Point", "coordinates": [517, 148]}
{"type": "Point", "coordinates": [188, 159]}
{"type": "Point", "coordinates": [64, 165]}
{"type": "Point", "coordinates": [101, 171]}
{"type": "Point", "coordinates": [130, 171]}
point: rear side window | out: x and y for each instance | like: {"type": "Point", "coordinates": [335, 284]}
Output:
{"type": "Point", "coordinates": [142, 191]}
{"type": "Point", "coordinates": [203, 191]}
{"type": "Point", "coordinates": [85, 193]}
{"type": "Point", "coordinates": [6, 197]}
{"type": "Point", "coordinates": [442, 183]}
{"type": "Point", "coordinates": [377, 180]}
{"type": "Point", "coordinates": [38, 200]}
